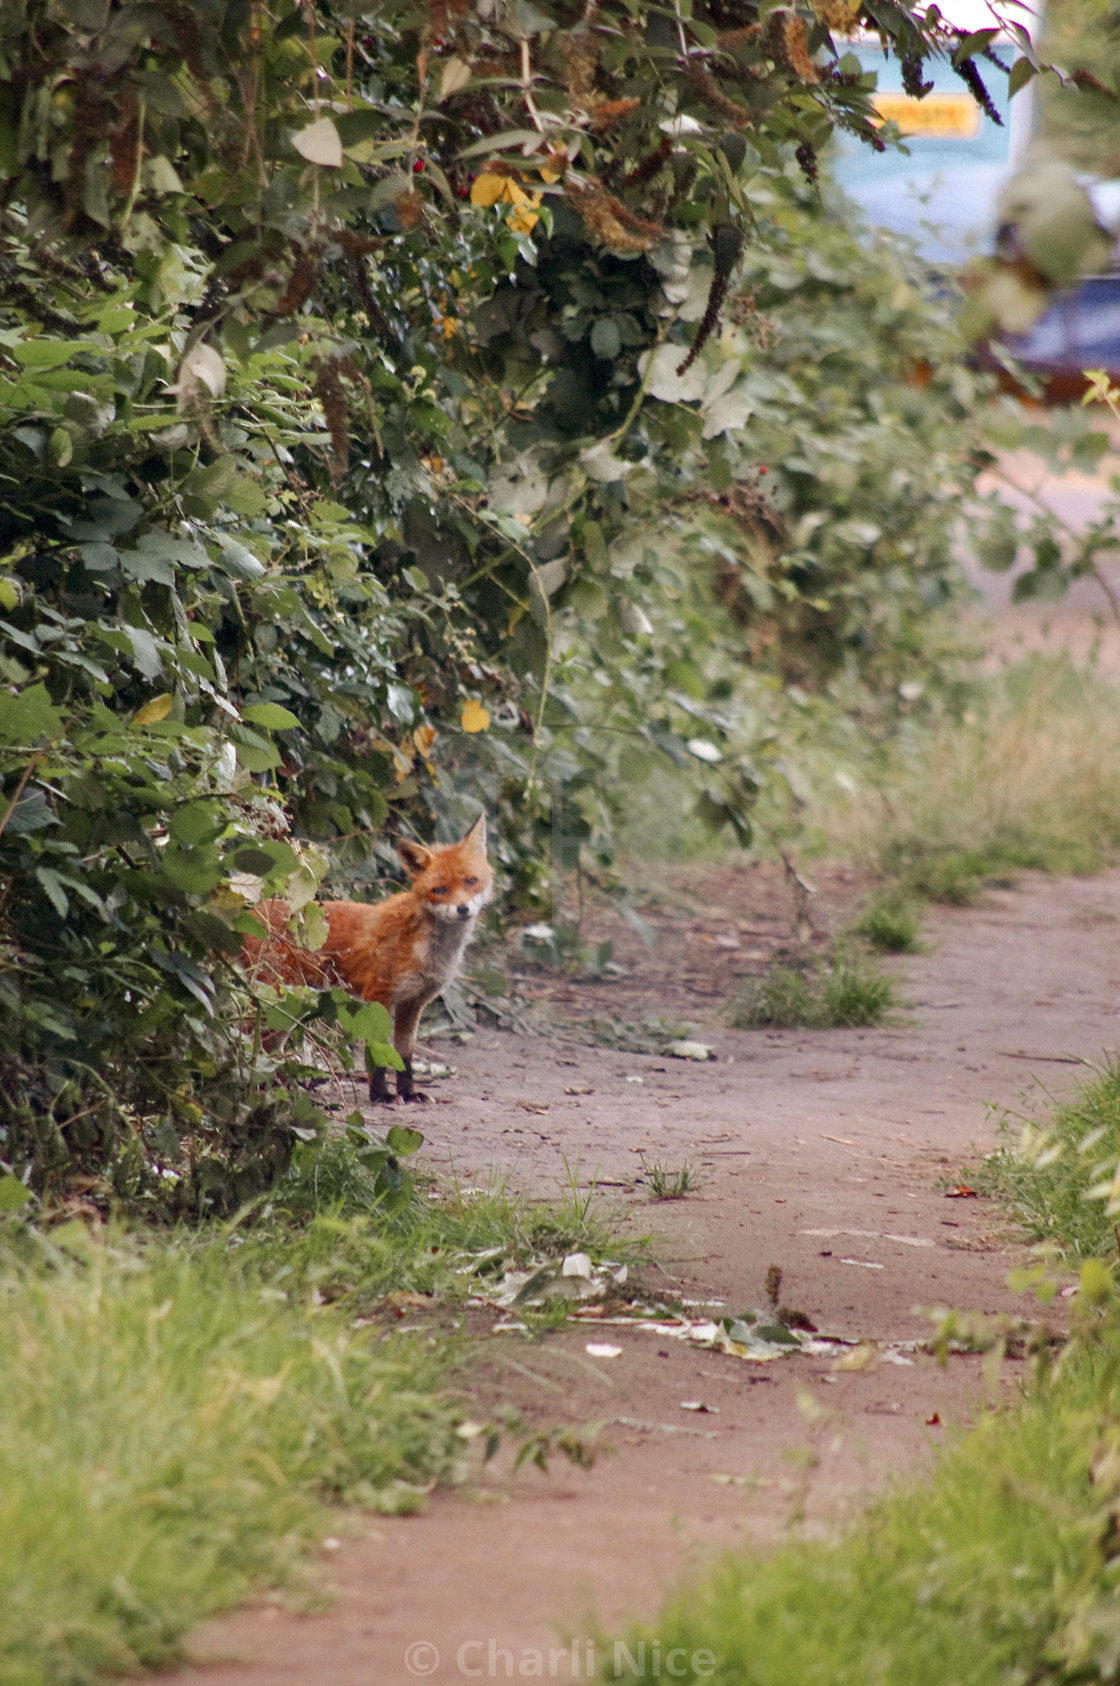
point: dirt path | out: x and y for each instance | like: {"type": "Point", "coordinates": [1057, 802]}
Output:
{"type": "Point", "coordinates": [821, 1152]}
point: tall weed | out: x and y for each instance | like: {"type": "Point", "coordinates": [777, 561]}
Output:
{"type": "Point", "coordinates": [1026, 776]}
{"type": "Point", "coordinates": [1061, 1177]}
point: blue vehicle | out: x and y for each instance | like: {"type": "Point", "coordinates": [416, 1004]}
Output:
{"type": "Point", "coordinates": [942, 190]}
{"type": "Point", "coordinates": [942, 193]}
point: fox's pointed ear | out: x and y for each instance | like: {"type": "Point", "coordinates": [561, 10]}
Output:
{"type": "Point", "coordinates": [414, 856]}
{"type": "Point", "coordinates": [477, 834]}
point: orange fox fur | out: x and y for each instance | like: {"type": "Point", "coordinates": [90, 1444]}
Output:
{"type": "Point", "coordinates": [400, 952]}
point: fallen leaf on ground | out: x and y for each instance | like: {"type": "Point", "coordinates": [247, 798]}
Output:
{"type": "Point", "coordinates": [934, 1421]}
{"type": "Point", "coordinates": [600, 1349]}
{"type": "Point", "coordinates": [962, 1192]}
{"type": "Point", "coordinates": [863, 1357]}
{"type": "Point", "coordinates": [533, 1106]}
{"type": "Point", "coordinates": [699, 1405]}
{"type": "Point", "coordinates": [578, 1089]}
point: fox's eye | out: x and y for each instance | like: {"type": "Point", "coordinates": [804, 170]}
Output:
{"type": "Point", "coordinates": [440, 890]}
{"type": "Point", "coordinates": [469, 883]}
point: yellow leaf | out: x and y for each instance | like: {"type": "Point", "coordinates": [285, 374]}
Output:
{"type": "Point", "coordinates": [523, 221]}
{"type": "Point", "coordinates": [487, 190]}
{"type": "Point", "coordinates": [424, 737]}
{"type": "Point", "coordinates": [475, 717]}
{"type": "Point", "coordinates": [158, 709]}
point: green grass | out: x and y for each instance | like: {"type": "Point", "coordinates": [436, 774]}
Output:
{"type": "Point", "coordinates": [1026, 776]}
{"type": "Point", "coordinates": [666, 1184]}
{"type": "Point", "coordinates": [849, 995]}
{"type": "Point", "coordinates": [177, 1412]}
{"type": "Point", "coordinates": [1047, 1172]}
{"type": "Point", "coordinates": [890, 925]}
{"type": "Point", "coordinates": [1000, 1569]}
{"type": "Point", "coordinates": [174, 1417]}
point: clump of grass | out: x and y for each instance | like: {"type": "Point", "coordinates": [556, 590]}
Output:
{"type": "Point", "coordinates": [890, 925]}
{"type": "Point", "coordinates": [1027, 776]}
{"type": "Point", "coordinates": [849, 995]}
{"type": "Point", "coordinates": [1057, 1176]}
{"type": "Point", "coordinates": [667, 1184]}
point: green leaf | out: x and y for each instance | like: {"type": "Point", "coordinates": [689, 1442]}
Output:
{"type": "Point", "coordinates": [1021, 73]}
{"type": "Point", "coordinates": [252, 859]}
{"type": "Point", "coordinates": [13, 1194]}
{"type": "Point", "coordinates": [240, 563]}
{"type": "Point", "coordinates": [404, 1141]}
{"type": "Point", "coordinates": [50, 353]}
{"type": "Point", "coordinates": [428, 418]}
{"type": "Point", "coordinates": [197, 871]}
{"type": "Point", "coordinates": [369, 1022]}
{"type": "Point", "coordinates": [52, 884]}
{"type": "Point", "coordinates": [28, 716]}
{"type": "Point", "coordinates": [606, 341]}
{"type": "Point", "coordinates": [271, 715]}
{"type": "Point", "coordinates": [196, 821]}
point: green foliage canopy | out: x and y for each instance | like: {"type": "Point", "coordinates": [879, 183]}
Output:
{"type": "Point", "coordinates": [351, 366]}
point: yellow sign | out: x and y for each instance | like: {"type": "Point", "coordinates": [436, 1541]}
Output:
{"type": "Point", "coordinates": [955, 115]}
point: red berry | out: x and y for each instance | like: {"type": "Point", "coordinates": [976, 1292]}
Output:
{"type": "Point", "coordinates": [418, 167]}
{"type": "Point", "coordinates": [764, 471]}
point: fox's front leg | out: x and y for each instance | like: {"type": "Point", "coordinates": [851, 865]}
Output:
{"type": "Point", "coordinates": [406, 1022]}
{"type": "Point", "coordinates": [378, 1088]}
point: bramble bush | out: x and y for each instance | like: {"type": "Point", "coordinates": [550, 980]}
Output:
{"type": "Point", "coordinates": [363, 401]}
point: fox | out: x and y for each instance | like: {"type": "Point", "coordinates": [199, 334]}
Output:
{"type": "Point", "coordinates": [402, 951]}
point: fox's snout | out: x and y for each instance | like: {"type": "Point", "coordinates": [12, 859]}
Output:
{"type": "Point", "coordinates": [464, 910]}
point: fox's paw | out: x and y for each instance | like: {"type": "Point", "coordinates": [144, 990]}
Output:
{"type": "Point", "coordinates": [415, 1096]}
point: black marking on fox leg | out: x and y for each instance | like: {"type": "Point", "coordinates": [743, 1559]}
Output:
{"type": "Point", "coordinates": [378, 1088]}
{"type": "Point", "coordinates": [406, 1090]}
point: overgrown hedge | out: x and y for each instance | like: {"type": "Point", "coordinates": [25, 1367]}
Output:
{"type": "Point", "coordinates": [347, 479]}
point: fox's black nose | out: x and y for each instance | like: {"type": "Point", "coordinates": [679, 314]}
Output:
{"type": "Point", "coordinates": [464, 910]}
